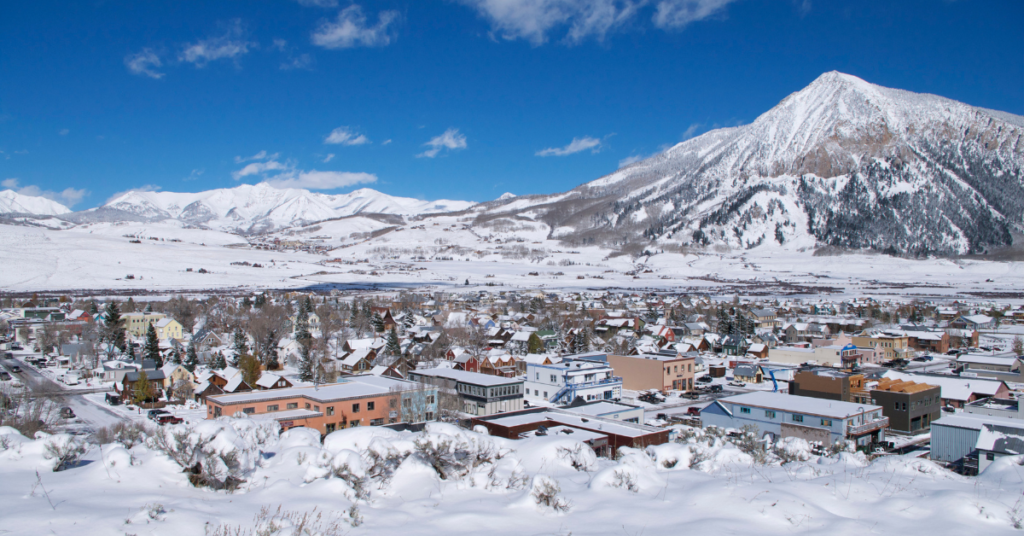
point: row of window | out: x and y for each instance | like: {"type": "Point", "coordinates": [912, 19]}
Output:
{"type": "Point", "coordinates": [489, 392]}
{"type": "Point", "coordinates": [675, 368]}
{"type": "Point", "coordinates": [770, 414]}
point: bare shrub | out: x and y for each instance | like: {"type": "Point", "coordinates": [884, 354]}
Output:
{"type": "Point", "coordinates": [357, 483]}
{"type": "Point", "coordinates": [547, 494]}
{"type": "Point", "coordinates": [624, 480]}
{"type": "Point", "coordinates": [66, 452]}
{"type": "Point", "coordinates": [281, 522]}
{"type": "Point", "coordinates": [128, 434]}
{"type": "Point", "coordinates": [454, 459]}
{"type": "Point", "coordinates": [575, 456]}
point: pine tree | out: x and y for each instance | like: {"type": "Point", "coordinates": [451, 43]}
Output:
{"type": "Point", "coordinates": [176, 357]}
{"type": "Point", "coordinates": [114, 327]}
{"type": "Point", "coordinates": [191, 358]}
{"type": "Point", "coordinates": [393, 347]}
{"type": "Point", "coordinates": [306, 363]}
{"type": "Point", "coordinates": [534, 345]}
{"type": "Point", "coordinates": [378, 323]}
{"type": "Point", "coordinates": [152, 349]}
{"type": "Point", "coordinates": [93, 310]}
{"type": "Point", "coordinates": [240, 346]}
{"type": "Point", "coordinates": [270, 357]}
{"type": "Point", "coordinates": [219, 363]}
{"type": "Point", "coordinates": [131, 353]}
{"type": "Point", "coordinates": [149, 307]}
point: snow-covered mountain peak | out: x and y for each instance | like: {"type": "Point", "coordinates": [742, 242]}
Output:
{"type": "Point", "coordinates": [12, 202]}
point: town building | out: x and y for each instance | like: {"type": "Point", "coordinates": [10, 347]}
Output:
{"type": "Point", "coordinates": [479, 394]}
{"type": "Point", "coordinates": [654, 371]}
{"type": "Point", "coordinates": [137, 324]}
{"type": "Point", "coordinates": [588, 376]}
{"type": "Point", "coordinates": [813, 419]}
{"type": "Point", "coordinates": [910, 406]}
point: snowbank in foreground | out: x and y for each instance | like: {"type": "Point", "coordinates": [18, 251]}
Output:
{"type": "Point", "coordinates": [454, 481]}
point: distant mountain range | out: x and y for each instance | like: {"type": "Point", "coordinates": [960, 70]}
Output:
{"type": "Point", "coordinates": [250, 209]}
{"type": "Point", "coordinates": [841, 163]}
{"type": "Point", "coordinates": [12, 202]}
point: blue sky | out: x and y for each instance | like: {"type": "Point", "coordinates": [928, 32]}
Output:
{"type": "Point", "coordinates": [457, 99]}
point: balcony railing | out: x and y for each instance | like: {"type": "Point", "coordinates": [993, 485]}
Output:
{"type": "Point", "coordinates": [868, 427]}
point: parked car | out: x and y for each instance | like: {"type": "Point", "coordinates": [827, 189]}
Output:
{"type": "Point", "coordinates": [662, 416]}
{"type": "Point", "coordinates": [692, 395]}
{"type": "Point", "coordinates": [736, 383]}
{"type": "Point", "coordinates": [112, 399]}
{"type": "Point", "coordinates": [5, 376]}
{"type": "Point", "coordinates": [67, 413]}
{"type": "Point", "coordinates": [704, 379]}
{"type": "Point", "coordinates": [169, 419]}
{"type": "Point", "coordinates": [16, 369]}
{"type": "Point", "coordinates": [693, 410]}
{"type": "Point", "coordinates": [716, 388]}
{"type": "Point", "coordinates": [154, 414]}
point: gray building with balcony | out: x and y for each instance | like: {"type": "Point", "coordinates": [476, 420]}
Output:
{"type": "Point", "coordinates": [814, 419]}
{"type": "Point", "coordinates": [586, 376]}
{"type": "Point", "coordinates": [479, 394]}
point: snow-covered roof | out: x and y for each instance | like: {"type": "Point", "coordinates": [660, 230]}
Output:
{"type": "Point", "coordinates": [350, 387]}
{"type": "Point", "coordinates": [953, 388]}
{"type": "Point", "coordinates": [475, 378]}
{"type": "Point", "coordinates": [800, 404]}
{"type": "Point", "coordinates": [267, 380]}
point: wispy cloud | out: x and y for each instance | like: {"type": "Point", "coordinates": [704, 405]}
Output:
{"type": "Point", "coordinates": [231, 46]}
{"type": "Point", "coordinates": [677, 14]}
{"type": "Point", "coordinates": [196, 173]}
{"type": "Point", "coordinates": [292, 61]}
{"type": "Point", "coordinates": [534, 20]}
{"type": "Point", "coordinates": [691, 130]}
{"type": "Point", "coordinates": [345, 136]}
{"type": "Point", "coordinates": [318, 3]}
{"type": "Point", "coordinates": [144, 63]}
{"type": "Point", "coordinates": [575, 146]}
{"type": "Point", "coordinates": [63, 132]}
{"type": "Point", "coordinates": [69, 197]}
{"type": "Point", "coordinates": [144, 188]}
{"type": "Point", "coordinates": [638, 157]}
{"type": "Point", "coordinates": [260, 168]}
{"type": "Point", "coordinates": [328, 158]}
{"type": "Point", "coordinates": [451, 140]}
{"type": "Point", "coordinates": [351, 29]}
{"type": "Point", "coordinates": [262, 155]}
{"type": "Point", "coordinates": [321, 180]}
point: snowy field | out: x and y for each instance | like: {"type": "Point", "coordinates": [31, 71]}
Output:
{"type": "Point", "coordinates": [451, 481]}
{"type": "Point", "coordinates": [444, 252]}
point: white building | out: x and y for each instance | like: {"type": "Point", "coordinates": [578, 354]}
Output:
{"type": "Point", "coordinates": [588, 376]}
{"type": "Point", "coordinates": [480, 394]}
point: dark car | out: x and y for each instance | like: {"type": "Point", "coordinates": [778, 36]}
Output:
{"type": "Point", "coordinates": [692, 395]}
{"type": "Point", "coordinates": [15, 369]}
{"type": "Point", "coordinates": [716, 388]}
{"type": "Point", "coordinates": [67, 413]}
{"type": "Point", "coordinates": [662, 416]}
{"type": "Point", "coordinates": [4, 375]}
{"type": "Point", "coordinates": [112, 399]}
{"type": "Point", "coordinates": [704, 379]}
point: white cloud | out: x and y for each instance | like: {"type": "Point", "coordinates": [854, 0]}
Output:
{"type": "Point", "coordinates": [63, 132]}
{"type": "Point", "coordinates": [231, 45]}
{"type": "Point", "coordinates": [144, 188]}
{"type": "Point", "coordinates": [351, 30]}
{"type": "Point", "coordinates": [345, 136]}
{"type": "Point", "coordinates": [676, 14]}
{"type": "Point", "coordinates": [302, 61]}
{"type": "Point", "coordinates": [144, 63]}
{"type": "Point", "coordinates": [195, 174]}
{"type": "Point", "coordinates": [533, 20]}
{"type": "Point", "coordinates": [329, 158]}
{"type": "Point", "coordinates": [691, 130]}
{"type": "Point", "coordinates": [68, 197]}
{"type": "Point", "coordinates": [321, 180]}
{"type": "Point", "coordinates": [630, 160]}
{"type": "Point", "coordinates": [318, 3]}
{"type": "Point", "coordinates": [260, 168]}
{"type": "Point", "coordinates": [575, 146]}
{"type": "Point", "coordinates": [451, 140]}
{"type": "Point", "coordinates": [262, 155]}
{"type": "Point", "coordinates": [386, 142]}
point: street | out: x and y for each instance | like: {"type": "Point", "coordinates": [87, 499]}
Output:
{"type": "Point", "coordinates": [93, 415]}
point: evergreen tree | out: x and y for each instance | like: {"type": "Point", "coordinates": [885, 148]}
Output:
{"type": "Point", "coordinates": [240, 346]}
{"type": "Point", "coordinates": [191, 358]}
{"type": "Point", "coordinates": [149, 307]}
{"type": "Point", "coordinates": [129, 306]}
{"type": "Point", "coordinates": [725, 326]}
{"type": "Point", "coordinates": [93, 310]}
{"type": "Point", "coordinates": [113, 331]}
{"type": "Point", "coordinates": [378, 323]}
{"type": "Point", "coordinates": [152, 349]}
{"type": "Point", "coordinates": [246, 303]}
{"type": "Point", "coordinates": [176, 357]}
{"type": "Point", "coordinates": [131, 353]}
{"type": "Point", "coordinates": [261, 300]}
{"type": "Point", "coordinates": [393, 347]}
{"type": "Point", "coordinates": [270, 357]}
{"type": "Point", "coordinates": [306, 363]}
{"type": "Point", "coordinates": [218, 362]}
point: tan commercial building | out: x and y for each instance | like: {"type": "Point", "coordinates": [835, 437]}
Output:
{"type": "Point", "coordinates": [653, 371]}
{"type": "Point", "coordinates": [894, 345]}
{"type": "Point", "coordinates": [137, 324]}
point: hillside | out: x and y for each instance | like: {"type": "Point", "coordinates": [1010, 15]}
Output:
{"type": "Point", "coordinates": [12, 202]}
{"type": "Point", "coordinates": [840, 163]}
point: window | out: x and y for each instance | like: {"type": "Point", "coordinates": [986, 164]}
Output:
{"type": "Point", "coordinates": [798, 418]}
{"type": "Point", "coordinates": [769, 413]}
{"type": "Point", "coordinates": [990, 456]}
{"type": "Point", "coordinates": [744, 410]}
{"type": "Point", "coordinates": [826, 422]}
{"type": "Point", "coordinates": [355, 408]}
{"type": "Point", "coordinates": [272, 408]}
{"type": "Point", "coordinates": [216, 412]}
{"type": "Point", "coordinates": [248, 411]}
{"type": "Point", "coordinates": [330, 410]}
{"type": "Point", "coordinates": [430, 399]}
{"type": "Point", "coordinates": [554, 379]}
{"type": "Point", "coordinates": [353, 424]}
{"type": "Point", "coordinates": [370, 406]}
{"type": "Point", "coordinates": [545, 394]}
{"type": "Point", "coordinates": [377, 422]}
{"type": "Point", "coordinates": [307, 405]}
{"type": "Point", "coordinates": [292, 405]}
{"type": "Point", "coordinates": [316, 408]}
{"type": "Point", "coordinates": [430, 416]}
{"type": "Point", "coordinates": [407, 402]}
{"type": "Point", "coordinates": [393, 403]}
{"type": "Point", "coordinates": [330, 428]}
